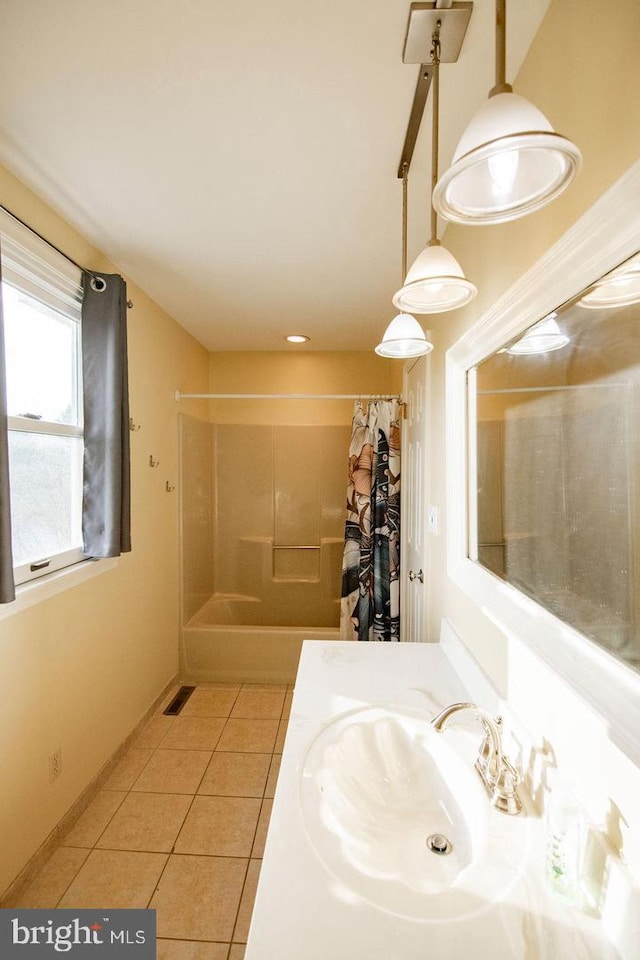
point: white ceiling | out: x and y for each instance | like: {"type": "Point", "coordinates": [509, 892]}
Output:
{"type": "Point", "coordinates": [238, 161]}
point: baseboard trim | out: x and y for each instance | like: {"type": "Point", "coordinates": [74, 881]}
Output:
{"type": "Point", "coordinates": [73, 814]}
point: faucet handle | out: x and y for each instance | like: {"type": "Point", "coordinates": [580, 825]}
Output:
{"type": "Point", "coordinates": [505, 795]}
{"type": "Point", "coordinates": [484, 754]}
{"type": "Point", "coordinates": [487, 758]}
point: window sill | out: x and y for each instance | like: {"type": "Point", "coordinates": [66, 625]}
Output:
{"type": "Point", "coordinates": [28, 594]}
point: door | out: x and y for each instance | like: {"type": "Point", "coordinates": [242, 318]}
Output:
{"type": "Point", "coordinates": [413, 573]}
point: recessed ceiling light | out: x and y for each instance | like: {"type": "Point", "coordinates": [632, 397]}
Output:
{"type": "Point", "coordinates": [297, 338]}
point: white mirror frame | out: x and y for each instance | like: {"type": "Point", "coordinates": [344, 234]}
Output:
{"type": "Point", "coordinates": [605, 236]}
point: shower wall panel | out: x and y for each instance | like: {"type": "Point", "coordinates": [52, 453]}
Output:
{"type": "Point", "coordinates": [243, 483]}
{"type": "Point", "coordinates": [280, 509]}
{"type": "Point", "coordinates": [334, 475]}
{"type": "Point", "coordinates": [196, 465]}
{"type": "Point", "coordinates": [296, 485]}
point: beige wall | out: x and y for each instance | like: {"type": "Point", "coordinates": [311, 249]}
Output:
{"type": "Point", "coordinates": [294, 371]}
{"type": "Point", "coordinates": [584, 73]}
{"type": "Point", "coordinates": [79, 670]}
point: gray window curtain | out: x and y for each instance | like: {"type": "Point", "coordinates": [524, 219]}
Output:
{"type": "Point", "coordinates": [7, 586]}
{"type": "Point", "coordinates": [106, 506]}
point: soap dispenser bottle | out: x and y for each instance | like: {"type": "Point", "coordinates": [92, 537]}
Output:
{"type": "Point", "coordinates": [563, 842]}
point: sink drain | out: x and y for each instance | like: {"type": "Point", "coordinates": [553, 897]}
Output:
{"type": "Point", "coordinates": [439, 844]}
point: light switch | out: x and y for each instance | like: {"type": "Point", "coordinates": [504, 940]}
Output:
{"type": "Point", "coordinates": [432, 520]}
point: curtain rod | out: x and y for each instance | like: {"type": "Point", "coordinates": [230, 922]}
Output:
{"type": "Point", "coordinates": [286, 396]}
{"type": "Point", "coordinates": [555, 389]}
{"type": "Point", "coordinates": [52, 245]}
{"type": "Point", "coordinates": [44, 239]}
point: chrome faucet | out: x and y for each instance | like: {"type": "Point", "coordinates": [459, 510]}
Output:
{"type": "Point", "coordinates": [496, 771]}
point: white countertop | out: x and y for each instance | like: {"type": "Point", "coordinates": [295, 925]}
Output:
{"type": "Point", "coordinates": [303, 913]}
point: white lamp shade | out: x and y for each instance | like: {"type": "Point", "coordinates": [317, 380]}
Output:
{"type": "Point", "coordinates": [435, 283]}
{"type": "Point", "coordinates": [509, 162]}
{"type": "Point", "coordinates": [619, 288]}
{"type": "Point", "coordinates": [403, 338]}
{"type": "Point", "coordinates": [544, 337]}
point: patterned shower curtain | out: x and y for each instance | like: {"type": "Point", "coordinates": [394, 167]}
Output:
{"type": "Point", "coordinates": [370, 608]}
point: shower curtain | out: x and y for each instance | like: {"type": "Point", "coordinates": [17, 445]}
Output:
{"type": "Point", "coordinates": [370, 607]}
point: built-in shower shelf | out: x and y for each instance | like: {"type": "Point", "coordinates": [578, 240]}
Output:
{"type": "Point", "coordinates": [292, 579]}
{"type": "Point", "coordinates": [295, 546]}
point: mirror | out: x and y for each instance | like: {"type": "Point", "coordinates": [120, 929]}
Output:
{"type": "Point", "coordinates": [556, 446]}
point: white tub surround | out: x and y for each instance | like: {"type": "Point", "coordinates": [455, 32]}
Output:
{"type": "Point", "coordinates": [250, 654]}
{"type": "Point", "coordinates": [303, 910]}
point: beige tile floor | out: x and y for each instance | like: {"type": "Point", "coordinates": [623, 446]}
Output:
{"type": "Point", "coordinates": [181, 823]}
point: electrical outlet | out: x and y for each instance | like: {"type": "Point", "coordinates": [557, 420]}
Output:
{"type": "Point", "coordinates": [55, 764]}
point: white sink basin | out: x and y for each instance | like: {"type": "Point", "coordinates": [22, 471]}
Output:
{"type": "Point", "coordinates": [376, 784]}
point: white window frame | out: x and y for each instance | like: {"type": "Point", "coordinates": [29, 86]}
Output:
{"type": "Point", "coordinates": [605, 236]}
{"type": "Point", "coordinates": [34, 267]}
{"type": "Point", "coordinates": [34, 569]}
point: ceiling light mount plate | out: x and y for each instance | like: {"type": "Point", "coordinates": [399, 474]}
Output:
{"type": "Point", "coordinates": [423, 19]}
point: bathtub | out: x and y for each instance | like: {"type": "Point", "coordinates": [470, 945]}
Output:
{"type": "Point", "coordinates": [238, 638]}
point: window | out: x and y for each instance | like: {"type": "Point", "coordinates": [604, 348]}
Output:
{"type": "Point", "coordinates": [41, 296]}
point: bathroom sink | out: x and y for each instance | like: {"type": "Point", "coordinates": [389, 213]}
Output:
{"type": "Point", "coordinates": [397, 814]}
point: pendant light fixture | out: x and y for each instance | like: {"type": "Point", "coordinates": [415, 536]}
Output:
{"type": "Point", "coordinates": [509, 162]}
{"type": "Point", "coordinates": [404, 337]}
{"type": "Point", "coordinates": [436, 282]}
{"type": "Point", "coordinates": [619, 288]}
{"type": "Point", "coordinates": [544, 337]}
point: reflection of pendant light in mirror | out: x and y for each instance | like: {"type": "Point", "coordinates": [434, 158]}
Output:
{"type": "Point", "coordinates": [544, 337]}
{"type": "Point", "coordinates": [509, 161]}
{"type": "Point", "coordinates": [404, 337]}
{"type": "Point", "coordinates": [436, 282]}
{"type": "Point", "coordinates": [617, 289]}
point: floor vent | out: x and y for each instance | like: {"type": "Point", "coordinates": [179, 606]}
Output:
{"type": "Point", "coordinates": [179, 701]}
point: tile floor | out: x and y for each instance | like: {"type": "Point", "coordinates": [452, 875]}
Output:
{"type": "Point", "coordinates": [181, 823]}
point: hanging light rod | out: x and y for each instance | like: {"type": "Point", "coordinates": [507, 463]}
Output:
{"type": "Point", "coordinates": [423, 18]}
{"type": "Point", "coordinates": [425, 75]}
{"type": "Point", "coordinates": [436, 282]}
{"type": "Point", "coordinates": [404, 337]}
{"type": "Point", "coordinates": [441, 286]}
